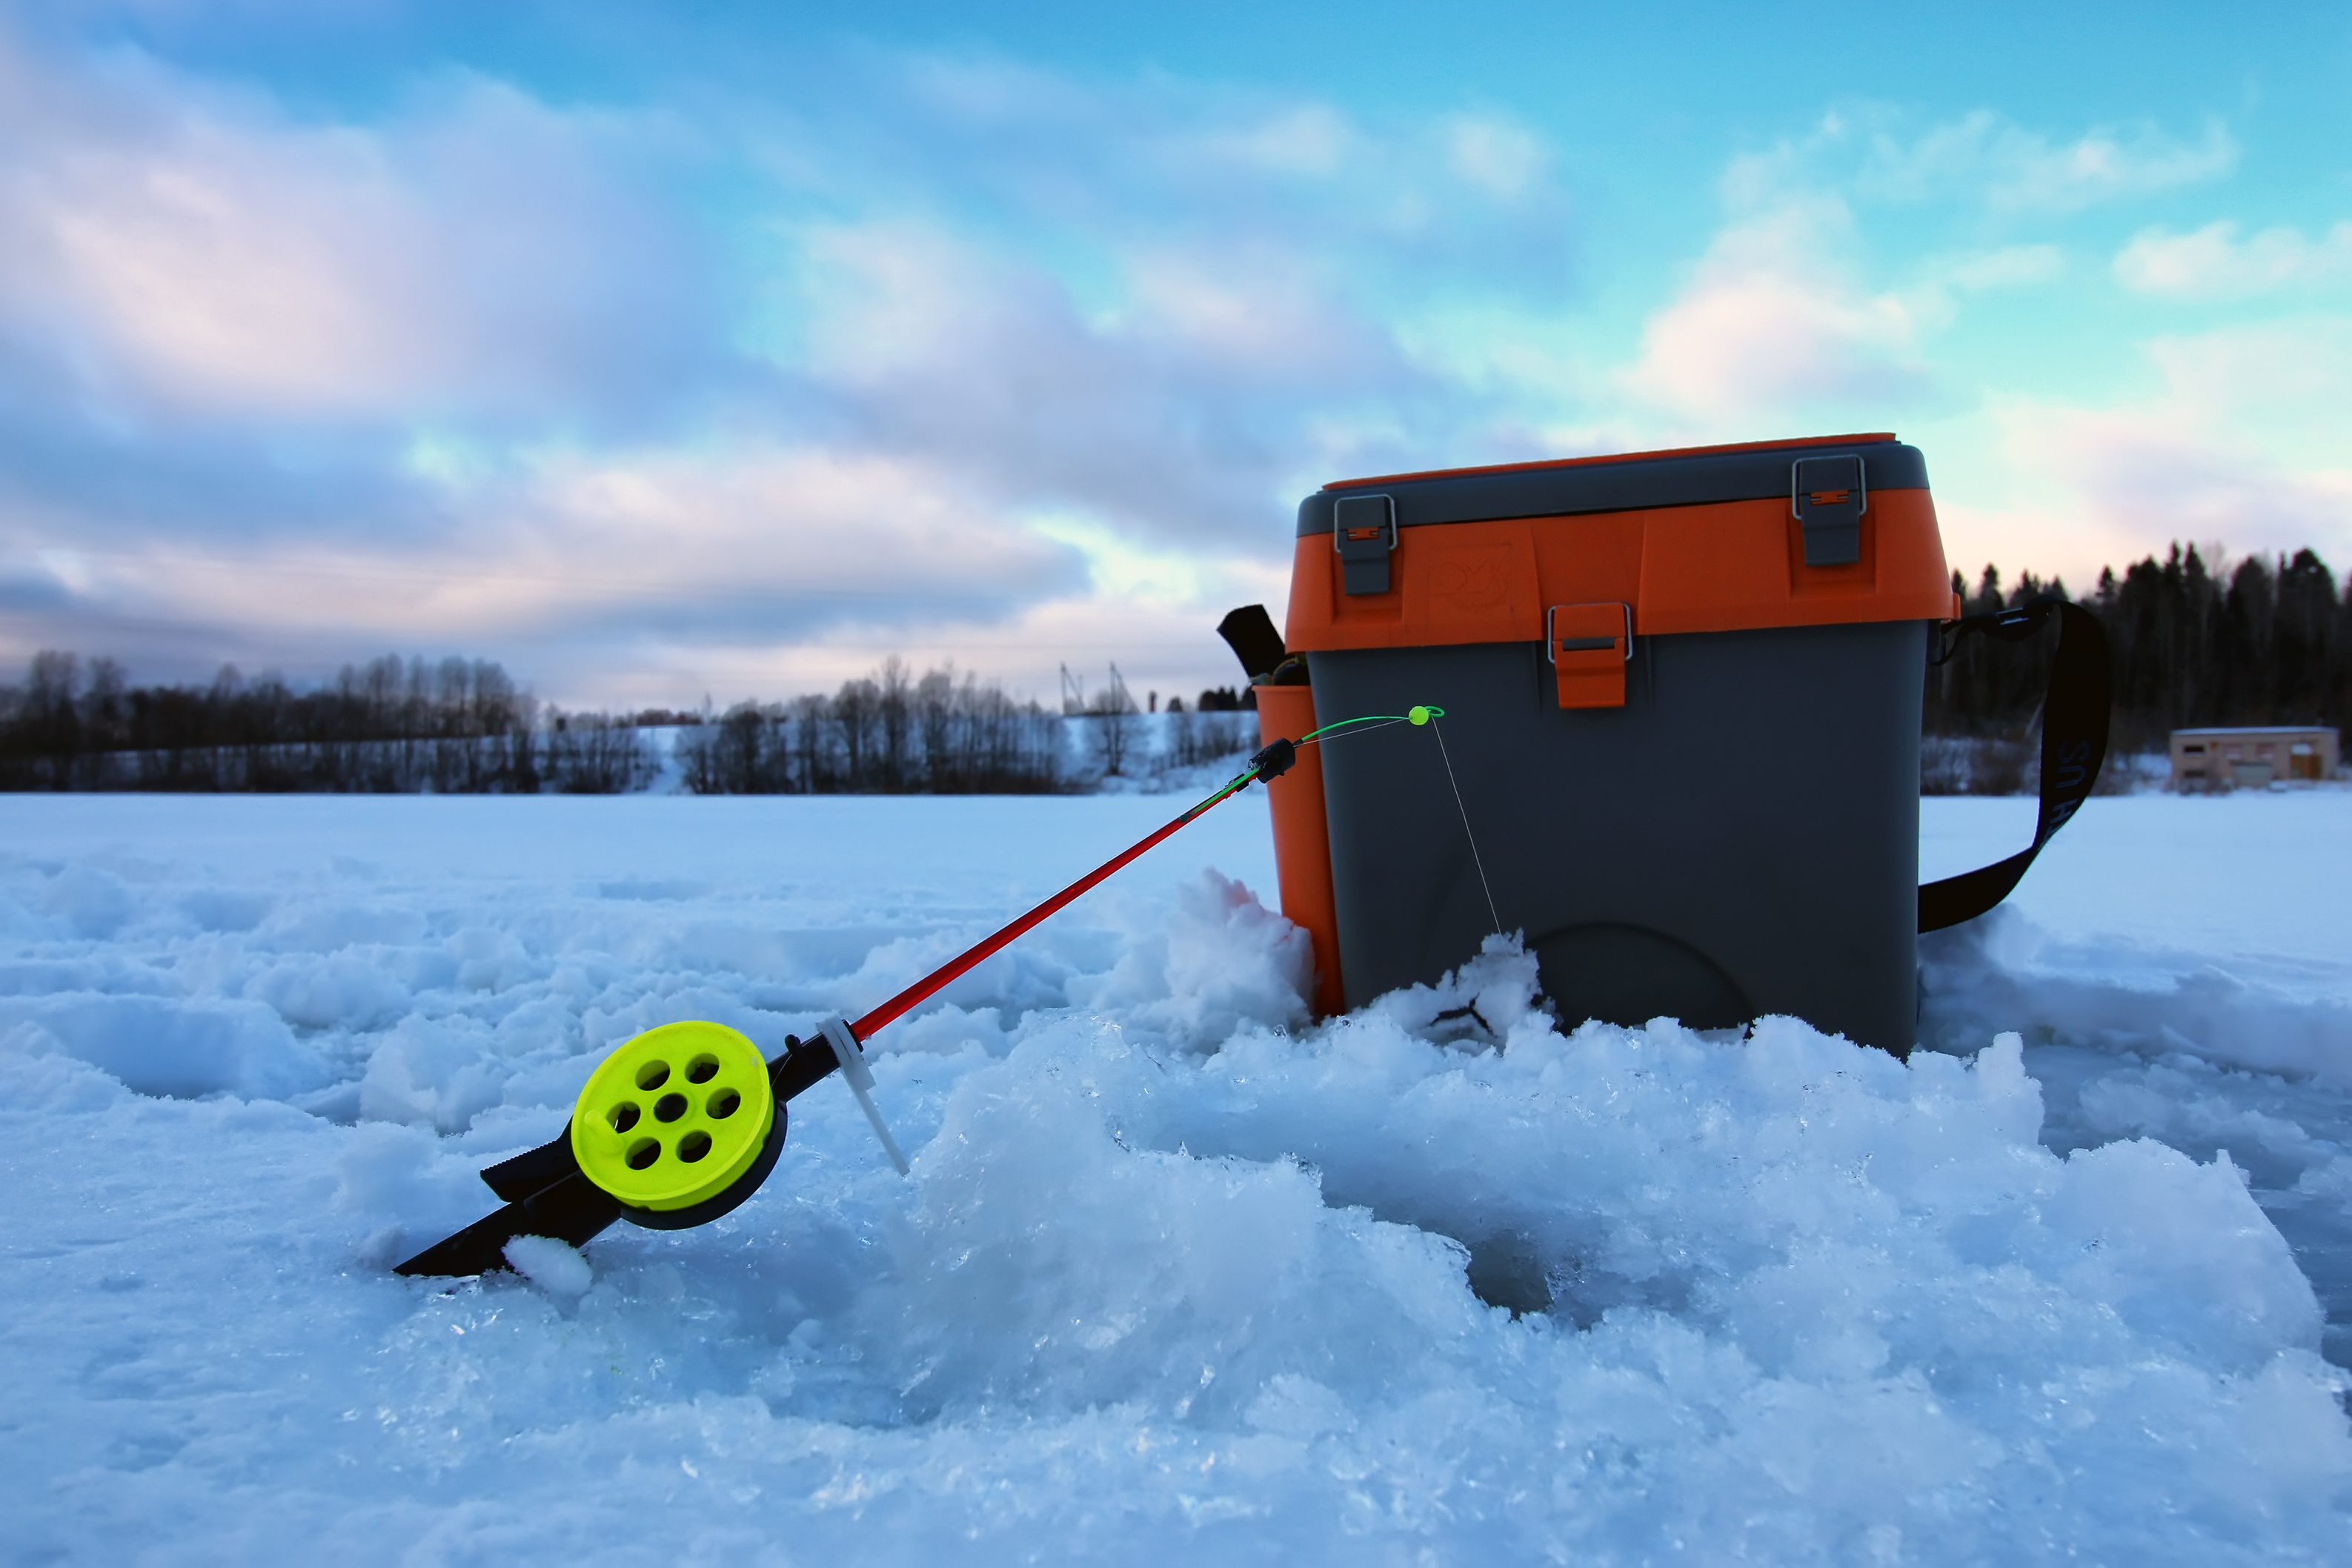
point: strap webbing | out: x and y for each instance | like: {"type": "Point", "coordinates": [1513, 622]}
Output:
{"type": "Point", "coordinates": [2074, 746]}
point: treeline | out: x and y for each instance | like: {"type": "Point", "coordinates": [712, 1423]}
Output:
{"type": "Point", "coordinates": [463, 727]}
{"type": "Point", "coordinates": [897, 732]}
{"type": "Point", "coordinates": [2267, 641]}
{"type": "Point", "coordinates": [890, 734]}
{"type": "Point", "coordinates": [457, 727]}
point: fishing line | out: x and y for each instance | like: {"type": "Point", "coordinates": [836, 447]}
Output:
{"type": "Point", "coordinates": [1475, 859]}
{"type": "Point", "coordinates": [1428, 715]}
{"type": "Point", "coordinates": [1369, 720]}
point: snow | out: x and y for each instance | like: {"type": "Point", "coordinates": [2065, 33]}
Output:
{"type": "Point", "coordinates": [555, 1266]}
{"type": "Point", "coordinates": [1178, 1276]}
{"type": "Point", "coordinates": [2215, 925]}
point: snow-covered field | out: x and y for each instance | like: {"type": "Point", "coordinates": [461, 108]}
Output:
{"type": "Point", "coordinates": [1177, 1277]}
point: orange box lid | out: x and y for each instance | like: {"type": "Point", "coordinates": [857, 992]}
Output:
{"type": "Point", "coordinates": [1769, 533]}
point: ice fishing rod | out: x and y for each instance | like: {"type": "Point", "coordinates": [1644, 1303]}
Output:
{"type": "Point", "coordinates": [681, 1123]}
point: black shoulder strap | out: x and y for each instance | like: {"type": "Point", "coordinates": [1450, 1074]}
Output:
{"type": "Point", "coordinates": [2074, 746]}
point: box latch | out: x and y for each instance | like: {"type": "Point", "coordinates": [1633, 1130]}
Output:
{"type": "Point", "coordinates": [1588, 646]}
{"type": "Point", "coordinates": [1828, 497]}
{"type": "Point", "coordinates": [1363, 530]}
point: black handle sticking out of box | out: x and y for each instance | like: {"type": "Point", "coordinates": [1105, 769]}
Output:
{"type": "Point", "coordinates": [1249, 632]}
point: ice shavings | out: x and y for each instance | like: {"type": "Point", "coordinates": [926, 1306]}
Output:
{"type": "Point", "coordinates": [1484, 999]}
{"type": "Point", "coordinates": [553, 1266]}
{"type": "Point", "coordinates": [2291, 1138]}
{"type": "Point", "coordinates": [1220, 961]}
{"type": "Point", "coordinates": [1178, 1277]}
{"type": "Point", "coordinates": [185, 1048]}
{"type": "Point", "coordinates": [1828, 1299]}
{"type": "Point", "coordinates": [89, 902]}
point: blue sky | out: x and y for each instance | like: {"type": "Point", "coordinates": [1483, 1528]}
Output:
{"type": "Point", "coordinates": [671, 351]}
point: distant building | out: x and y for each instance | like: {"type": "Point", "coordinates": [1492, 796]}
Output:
{"type": "Point", "coordinates": [2213, 760]}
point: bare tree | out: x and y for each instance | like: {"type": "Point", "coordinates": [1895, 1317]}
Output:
{"type": "Point", "coordinates": [591, 753]}
{"type": "Point", "coordinates": [395, 725]}
{"type": "Point", "coordinates": [895, 720]}
{"type": "Point", "coordinates": [854, 710]}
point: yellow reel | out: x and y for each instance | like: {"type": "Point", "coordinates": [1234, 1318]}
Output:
{"type": "Point", "coordinates": [674, 1117]}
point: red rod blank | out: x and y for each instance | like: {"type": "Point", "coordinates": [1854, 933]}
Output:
{"type": "Point", "coordinates": [938, 979]}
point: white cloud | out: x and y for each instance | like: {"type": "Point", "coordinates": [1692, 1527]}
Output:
{"type": "Point", "coordinates": [1150, 300]}
{"type": "Point", "coordinates": [1782, 326]}
{"type": "Point", "coordinates": [1795, 318]}
{"type": "Point", "coordinates": [2215, 263]}
{"type": "Point", "coordinates": [840, 535]}
{"type": "Point", "coordinates": [2237, 441]}
{"type": "Point", "coordinates": [2287, 381]}
{"type": "Point", "coordinates": [2019, 170]}
{"type": "Point", "coordinates": [1937, 286]}
{"type": "Point", "coordinates": [601, 553]}
{"type": "Point", "coordinates": [1773, 328]}
{"type": "Point", "coordinates": [1313, 139]}
{"type": "Point", "coordinates": [2008, 267]}
{"type": "Point", "coordinates": [1268, 315]}
{"type": "Point", "coordinates": [178, 244]}
{"type": "Point", "coordinates": [1982, 158]}
{"type": "Point", "coordinates": [1180, 414]}
{"type": "Point", "coordinates": [1495, 156]}
{"type": "Point", "coordinates": [1055, 363]}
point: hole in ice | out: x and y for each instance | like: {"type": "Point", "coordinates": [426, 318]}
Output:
{"type": "Point", "coordinates": [1506, 1271]}
{"type": "Point", "coordinates": [1583, 1290]}
{"type": "Point", "coordinates": [653, 1074]}
{"type": "Point", "coordinates": [694, 1146]}
{"type": "Point", "coordinates": [623, 1116]}
{"type": "Point", "coordinates": [722, 1104]}
{"type": "Point", "coordinates": [702, 1069]}
{"type": "Point", "coordinates": [644, 1152]}
{"type": "Point", "coordinates": [1560, 1276]}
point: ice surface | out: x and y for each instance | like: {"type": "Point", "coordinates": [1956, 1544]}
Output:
{"type": "Point", "coordinates": [1177, 1276]}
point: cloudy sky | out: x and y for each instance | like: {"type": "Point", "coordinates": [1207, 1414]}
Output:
{"type": "Point", "coordinates": [665, 351]}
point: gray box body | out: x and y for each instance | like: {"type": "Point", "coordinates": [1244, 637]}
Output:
{"type": "Point", "coordinates": [1740, 838]}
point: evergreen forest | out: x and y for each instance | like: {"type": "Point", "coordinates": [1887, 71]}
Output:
{"type": "Point", "coordinates": [2264, 641]}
